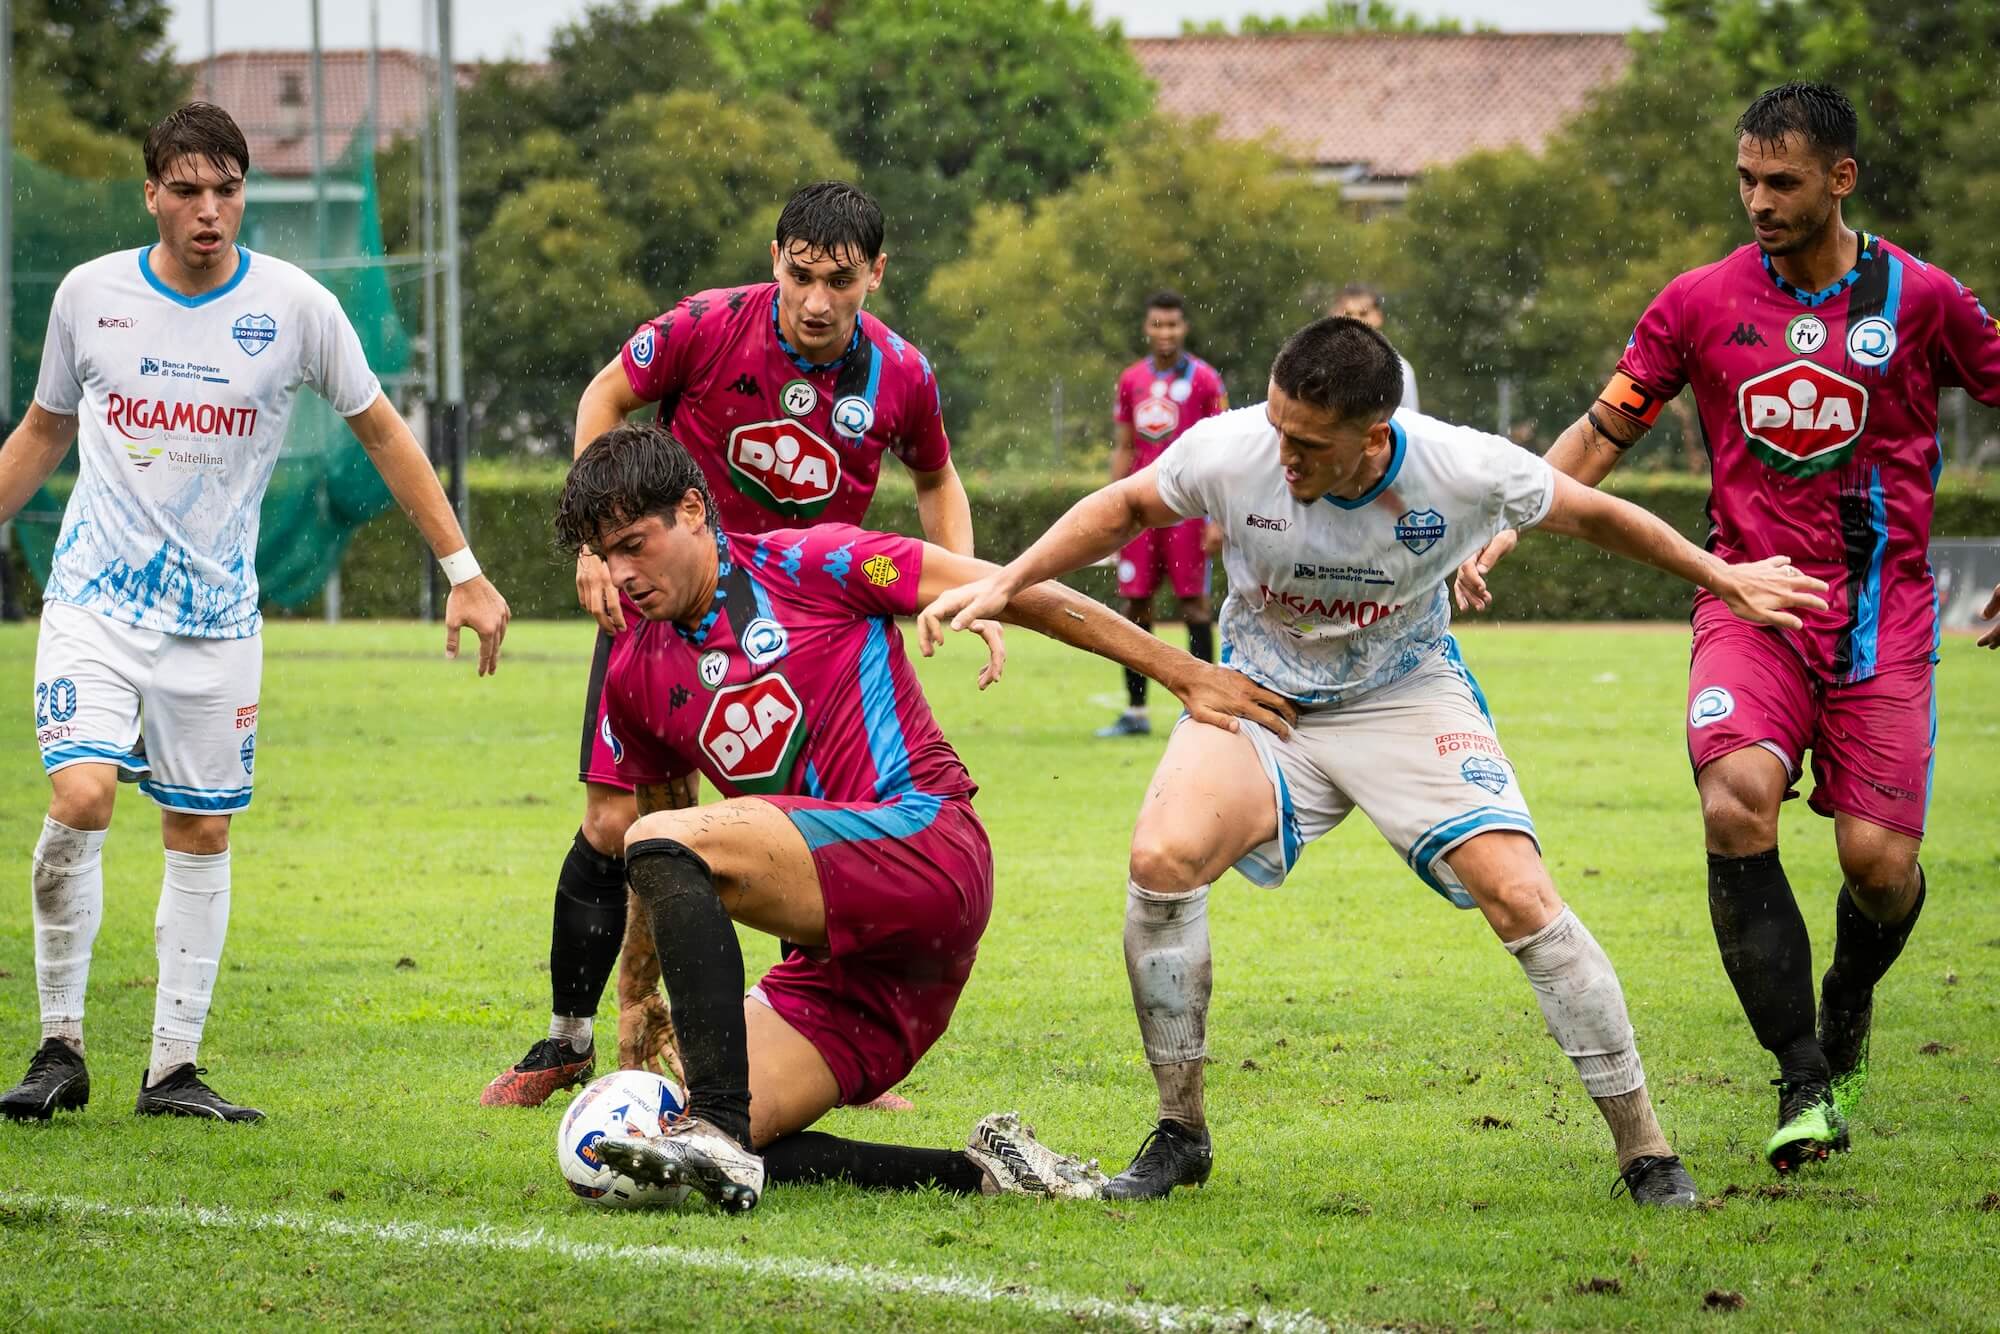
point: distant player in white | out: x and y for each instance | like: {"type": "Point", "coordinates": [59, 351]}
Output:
{"type": "Point", "coordinates": [1345, 524]}
{"type": "Point", "coordinates": [177, 366]}
{"type": "Point", "coordinates": [1359, 301]}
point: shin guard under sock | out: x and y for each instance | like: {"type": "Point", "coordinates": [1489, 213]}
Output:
{"type": "Point", "coordinates": [811, 1156]}
{"type": "Point", "coordinates": [1863, 950]}
{"type": "Point", "coordinates": [588, 931]}
{"type": "Point", "coordinates": [1768, 956]}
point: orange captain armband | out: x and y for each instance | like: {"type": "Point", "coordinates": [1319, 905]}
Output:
{"type": "Point", "coordinates": [1632, 400]}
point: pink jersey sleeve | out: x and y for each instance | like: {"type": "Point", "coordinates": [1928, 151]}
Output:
{"type": "Point", "coordinates": [1121, 402]}
{"type": "Point", "coordinates": [855, 570]}
{"type": "Point", "coordinates": [659, 355]}
{"type": "Point", "coordinates": [1653, 357]}
{"type": "Point", "coordinates": [1968, 341]}
{"type": "Point", "coordinates": [924, 447]}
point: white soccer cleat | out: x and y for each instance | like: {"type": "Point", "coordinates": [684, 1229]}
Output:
{"type": "Point", "coordinates": [696, 1154]}
{"type": "Point", "coordinates": [1019, 1164]}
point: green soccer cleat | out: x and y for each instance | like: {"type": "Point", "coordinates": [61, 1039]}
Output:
{"type": "Point", "coordinates": [1844, 1038]}
{"type": "Point", "coordinates": [1810, 1127]}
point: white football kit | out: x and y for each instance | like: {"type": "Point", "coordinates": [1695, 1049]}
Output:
{"type": "Point", "coordinates": [1344, 607]}
{"type": "Point", "coordinates": [150, 655]}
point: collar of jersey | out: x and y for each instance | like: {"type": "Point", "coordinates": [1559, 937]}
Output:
{"type": "Point", "coordinates": [699, 635]}
{"type": "Point", "coordinates": [1825, 294]}
{"type": "Point", "coordinates": [1180, 370]}
{"type": "Point", "coordinates": [242, 270]}
{"type": "Point", "coordinates": [1367, 497]}
{"type": "Point", "coordinates": [778, 332]}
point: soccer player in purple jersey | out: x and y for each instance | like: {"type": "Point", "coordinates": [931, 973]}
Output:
{"type": "Point", "coordinates": [769, 663]}
{"type": "Point", "coordinates": [788, 394]}
{"type": "Point", "coordinates": [1816, 356]}
{"type": "Point", "coordinates": [1158, 398]}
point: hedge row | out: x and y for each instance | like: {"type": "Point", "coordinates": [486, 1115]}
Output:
{"type": "Point", "coordinates": [1548, 578]}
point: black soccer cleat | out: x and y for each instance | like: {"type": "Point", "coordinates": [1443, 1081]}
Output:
{"type": "Point", "coordinates": [181, 1093]}
{"type": "Point", "coordinates": [1810, 1127]}
{"type": "Point", "coordinates": [1662, 1183]}
{"type": "Point", "coordinates": [56, 1082]}
{"type": "Point", "coordinates": [1172, 1155]}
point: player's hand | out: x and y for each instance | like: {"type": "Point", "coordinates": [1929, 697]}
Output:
{"type": "Point", "coordinates": [961, 608]}
{"type": "Point", "coordinates": [1222, 697]}
{"type": "Point", "coordinates": [1468, 586]}
{"type": "Point", "coordinates": [1761, 591]}
{"type": "Point", "coordinates": [477, 603]}
{"type": "Point", "coordinates": [646, 1038]}
{"type": "Point", "coordinates": [1212, 536]}
{"type": "Point", "coordinates": [596, 594]}
{"type": "Point", "coordinates": [1991, 639]}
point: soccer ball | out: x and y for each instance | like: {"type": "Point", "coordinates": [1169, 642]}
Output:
{"type": "Point", "coordinates": [622, 1105]}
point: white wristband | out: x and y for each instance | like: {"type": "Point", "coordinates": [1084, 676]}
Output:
{"type": "Point", "coordinates": [459, 566]}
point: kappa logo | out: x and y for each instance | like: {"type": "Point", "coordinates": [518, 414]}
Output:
{"type": "Point", "coordinates": [854, 416]}
{"type": "Point", "coordinates": [1746, 335]}
{"type": "Point", "coordinates": [678, 696]}
{"type": "Point", "coordinates": [784, 466]}
{"type": "Point", "coordinates": [746, 385]}
{"type": "Point", "coordinates": [1871, 342]}
{"type": "Point", "coordinates": [1802, 419]}
{"type": "Point", "coordinates": [1480, 771]}
{"type": "Point", "coordinates": [1711, 706]}
{"type": "Point", "coordinates": [754, 732]}
{"type": "Point", "coordinates": [764, 641]}
{"type": "Point", "coordinates": [1155, 418]}
{"type": "Point", "coordinates": [1419, 530]}
{"type": "Point", "coordinates": [254, 333]}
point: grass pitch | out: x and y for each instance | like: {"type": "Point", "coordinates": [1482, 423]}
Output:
{"type": "Point", "coordinates": [1398, 1141]}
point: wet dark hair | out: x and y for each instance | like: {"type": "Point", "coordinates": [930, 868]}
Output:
{"type": "Point", "coordinates": [629, 472]}
{"type": "Point", "coordinates": [197, 129]}
{"type": "Point", "coordinates": [830, 216]}
{"type": "Point", "coordinates": [1166, 299]}
{"type": "Point", "coordinates": [1818, 112]}
{"type": "Point", "coordinates": [1342, 366]}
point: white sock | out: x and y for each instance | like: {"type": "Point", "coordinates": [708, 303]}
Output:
{"type": "Point", "coordinates": [188, 934]}
{"type": "Point", "coordinates": [575, 1030]}
{"type": "Point", "coordinates": [1582, 1003]}
{"type": "Point", "coordinates": [68, 884]}
{"type": "Point", "coordinates": [1168, 963]}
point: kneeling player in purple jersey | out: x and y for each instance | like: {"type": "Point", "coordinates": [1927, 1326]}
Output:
{"type": "Point", "coordinates": [1815, 356]}
{"type": "Point", "coordinates": [769, 663]}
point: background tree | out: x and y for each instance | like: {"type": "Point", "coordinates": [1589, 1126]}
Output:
{"type": "Point", "coordinates": [1334, 16]}
{"type": "Point", "coordinates": [109, 60]}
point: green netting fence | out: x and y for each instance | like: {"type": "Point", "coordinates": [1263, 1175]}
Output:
{"type": "Point", "coordinates": [324, 487]}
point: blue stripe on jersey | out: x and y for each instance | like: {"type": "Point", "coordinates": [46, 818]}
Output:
{"type": "Point", "coordinates": [193, 302]}
{"type": "Point", "coordinates": [1453, 657]}
{"type": "Point", "coordinates": [814, 788]}
{"type": "Point", "coordinates": [1930, 768]}
{"type": "Point", "coordinates": [886, 745]}
{"type": "Point", "coordinates": [1894, 300]}
{"type": "Point", "coordinates": [874, 378]}
{"type": "Point", "coordinates": [1395, 466]}
{"type": "Point", "coordinates": [905, 817]}
{"type": "Point", "coordinates": [1868, 606]}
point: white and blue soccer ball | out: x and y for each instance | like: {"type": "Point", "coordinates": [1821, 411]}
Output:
{"type": "Point", "coordinates": [625, 1104]}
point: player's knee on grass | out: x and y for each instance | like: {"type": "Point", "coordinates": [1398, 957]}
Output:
{"type": "Point", "coordinates": [82, 795]}
{"type": "Point", "coordinates": [202, 835]}
{"type": "Point", "coordinates": [1740, 795]}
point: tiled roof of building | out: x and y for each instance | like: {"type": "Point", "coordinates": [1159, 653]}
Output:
{"type": "Point", "coordinates": [1391, 104]}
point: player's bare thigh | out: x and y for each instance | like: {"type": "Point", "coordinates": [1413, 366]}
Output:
{"type": "Point", "coordinates": [1208, 806]}
{"type": "Point", "coordinates": [81, 795]}
{"type": "Point", "coordinates": [1503, 872]}
{"type": "Point", "coordinates": [1740, 796]}
{"type": "Point", "coordinates": [790, 1084]}
{"type": "Point", "coordinates": [763, 871]}
{"type": "Point", "coordinates": [607, 813]}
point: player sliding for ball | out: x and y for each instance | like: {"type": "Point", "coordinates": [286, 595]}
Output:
{"type": "Point", "coordinates": [1345, 521]}
{"type": "Point", "coordinates": [769, 663]}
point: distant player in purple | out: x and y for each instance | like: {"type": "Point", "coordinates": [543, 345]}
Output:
{"type": "Point", "coordinates": [1816, 356]}
{"type": "Point", "coordinates": [788, 394]}
{"type": "Point", "coordinates": [769, 663]}
{"type": "Point", "coordinates": [1159, 397]}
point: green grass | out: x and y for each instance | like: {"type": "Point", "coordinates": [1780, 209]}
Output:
{"type": "Point", "coordinates": [1399, 1142]}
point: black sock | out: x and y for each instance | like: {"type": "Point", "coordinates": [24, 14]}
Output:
{"type": "Point", "coordinates": [1201, 640]}
{"type": "Point", "coordinates": [1863, 949]}
{"type": "Point", "coordinates": [702, 966]}
{"type": "Point", "coordinates": [1768, 956]}
{"type": "Point", "coordinates": [589, 928]}
{"type": "Point", "coordinates": [810, 1156]}
{"type": "Point", "coordinates": [1135, 689]}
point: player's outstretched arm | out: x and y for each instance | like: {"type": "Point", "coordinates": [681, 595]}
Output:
{"type": "Point", "coordinates": [1761, 591]}
{"type": "Point", "coordinates": [1587, 451]}
{"type": "Point", "coordinates": [943, 508]}
{"type": "Point", "coordinates": [31, 453]}
{"type": "Point", "coordinates": [1213, 695]}
{"type": "Point", "coordinates": [1094, 528]}
{"type": "Point", "coordinates": [607, 401]}
{"type": "Point", "coordinates": [474, 601]}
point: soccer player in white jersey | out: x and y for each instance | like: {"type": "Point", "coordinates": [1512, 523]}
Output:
{"type": "Point", "coordinates": [1346, 519]}
{"type": "Point", "coordinates": [176, 365]}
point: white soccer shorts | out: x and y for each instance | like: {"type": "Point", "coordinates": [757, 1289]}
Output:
{"type": "Point", "coordinates": [1419, 758]}
{"type": "Point", "coordinates": [179, 714]}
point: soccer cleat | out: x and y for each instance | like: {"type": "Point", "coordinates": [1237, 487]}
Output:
{"type": "Point", "coordinates": [1019, 1164]}
{"type": "Point", "coordinates": [1172, 1156]}
{"type": "Point", "coordinates": [56, 1082]}
{"type": "Point", "coordinates": [1128, 724]}
{"type": "Point", "coordinates": [550, 1064]}
{"type": "Point", "coordinates": [1843, 1036]}
{"type": "Point", "coordinates": [1660, 1182]}
{"type": "Point", "coordinates": [692, 1153]}
{"type": "Point", "coordinates": [181, 1093]}
{"type": "Point", "coordinates": [1809, 1126]}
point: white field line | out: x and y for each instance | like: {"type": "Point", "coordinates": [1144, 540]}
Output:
{"type": "Point", "coordinates": [868, 1279]}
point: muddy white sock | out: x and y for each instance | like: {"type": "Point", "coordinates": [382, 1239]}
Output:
{"type": "Point", "coordinates": [1168, 962]}
{"type": "Point", "coordinates": [68, 881]}
{"type": "Point", "coordinates": [572, 1029]}
{"type": "Point", "coordinates": [188, 935]}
